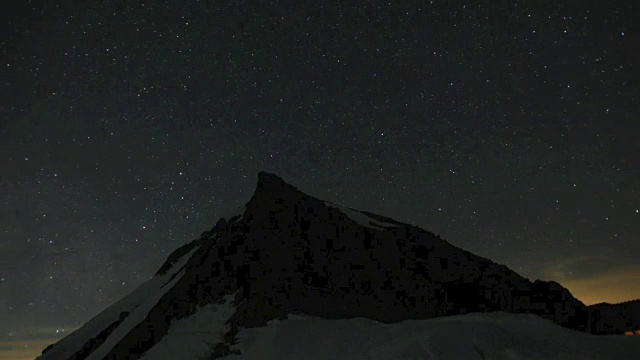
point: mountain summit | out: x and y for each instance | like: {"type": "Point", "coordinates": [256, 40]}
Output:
{"type": "Point", "coordinates": [290, 254]}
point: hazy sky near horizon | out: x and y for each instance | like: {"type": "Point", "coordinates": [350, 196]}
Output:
{"type": "Point", "coordinates": [127, 130]}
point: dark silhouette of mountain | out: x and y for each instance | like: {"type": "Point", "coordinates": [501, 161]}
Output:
{"type": "Point", "coordinates": [607, 319]}
{"type": "Point", "coordinates": [291, 253]}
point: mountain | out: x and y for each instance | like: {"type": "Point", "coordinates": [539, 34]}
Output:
{"type": "Point", "coordinates": [290, 254]}
{"type": "Point", "coordinates": [609, 319]}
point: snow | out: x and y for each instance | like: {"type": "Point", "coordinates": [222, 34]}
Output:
{"type": "Point", "coordinates": [136, 303]}
{"type": "Point", "coordinates": [194, 336]}
{"type": "Point", "coordinates": [239, 212]}
{"type": "Point", "coordinates": [361, 218]}
{"type": "Point", "coordinates": [473, 336]}
{"type": "Point", "coordinates": [136, 317]}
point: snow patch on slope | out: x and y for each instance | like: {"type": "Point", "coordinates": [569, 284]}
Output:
{"type": "Point", "coordinates": [194, 337]}
{"type": "Point", "coordinates": [240, 213]}
{"type": "Point", "coordinates": [131, 303]}
{"type": "Point", "coordinates": [141, 312]}
{"type": "Point", "coordinates": [136, 317]}
{"type": "Point", "coordinates": [361, 218]}
{"type": "Point", "coordinates": [473, 336]}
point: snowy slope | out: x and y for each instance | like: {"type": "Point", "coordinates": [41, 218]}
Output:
{"type": "Point", "coordinates": [239, 213]}
{"type": "Point", "coordinates": [361, 218]}
{"type": "Point", "coordinates": [496, 336]}
{"type": "Point", "coordinates": [193, 337]}
{"type": "Point", "coordinates": [474, 336]}
{"type": "Point", "coordinates": [137, 304]}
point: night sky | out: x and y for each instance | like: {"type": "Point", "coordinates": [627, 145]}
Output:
{"type": "Point", "coordinates": [510, 128]}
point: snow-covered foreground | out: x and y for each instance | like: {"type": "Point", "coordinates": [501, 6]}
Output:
{"type": "Point", "coordinates": [193, 337]}
{"type": "Point", "coordinates": [493, 336]}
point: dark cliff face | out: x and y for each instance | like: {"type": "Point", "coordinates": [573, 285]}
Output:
{"type": "Point", "coordinates": [312, 258]}
{"type": "Point", "coordinates": [292, 253]}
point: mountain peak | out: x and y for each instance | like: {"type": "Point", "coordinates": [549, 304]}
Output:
{"type": "Point", "coordinates": [267, 179]}
{"type": "Point", "coordinates": [291, 253]}
{"type": "Point", "coordinates": [270, 193]}
{"type": "Point", "coordinates": [271, 183]}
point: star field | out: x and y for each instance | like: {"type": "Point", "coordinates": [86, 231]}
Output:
{"type": "Point", "coordinates": [509, 128]}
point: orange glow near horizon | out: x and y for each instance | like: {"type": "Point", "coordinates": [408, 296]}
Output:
{"type": "Point", "coordinates": [25, 349]}
{"type": "Point", "coordinates": [613, 286]}
{"type": "Point", "coordinates": [28, 342]}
